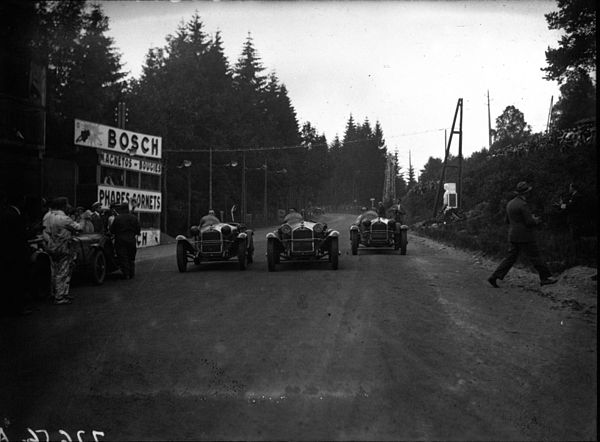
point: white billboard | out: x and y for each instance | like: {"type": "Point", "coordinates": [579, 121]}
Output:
{"type": "Point", "coordinates": [120, 161]}
{"type": "Point", "coordinates": [116, 140]}
{"type": "Point", "coordinates": [149, 237]}
{"type": "Point", "coordinates": [143, 200]}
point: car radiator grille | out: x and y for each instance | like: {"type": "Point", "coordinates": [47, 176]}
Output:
{"type": "Point", "coordinates": [302, 240]}
{"type": "Point", "coordinates": [211, 242]}
{"type": "Point", "coordinates": [379, 231]}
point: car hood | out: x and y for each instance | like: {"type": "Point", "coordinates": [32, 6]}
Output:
{"type": "Point", "coordinates": [218, 227]}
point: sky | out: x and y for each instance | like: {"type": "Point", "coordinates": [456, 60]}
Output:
{"type": "Point", "coordinates": [402, 63]}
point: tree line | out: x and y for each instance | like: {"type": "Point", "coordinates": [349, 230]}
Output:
{"type": "Point", "coordinates": [207, 111]}
{"type": "Point", "coordinates": [204, 106]}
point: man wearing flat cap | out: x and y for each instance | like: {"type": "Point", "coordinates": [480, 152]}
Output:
{"type": "Point", "coordinates": [96, 218]}
{"type": "Point", "coordinates": [125, 228]}
{"type": "Point", "coordinates": [521, 237]}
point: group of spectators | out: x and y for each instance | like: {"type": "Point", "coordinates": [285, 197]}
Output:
{"type": "Point", "coordinates": [54, 228]}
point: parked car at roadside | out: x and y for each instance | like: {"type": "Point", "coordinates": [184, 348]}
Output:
{"type": "Point", "coordinates": [302, 240]}
{"type": "Point", "coordinates": [216, 243]}
{"type": "Point", "coordinates": [95, 256]}
{"type": "Point", "coordinates": [372, 230]}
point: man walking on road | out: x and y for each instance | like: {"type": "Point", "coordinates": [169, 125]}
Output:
{"type": "Point", "coordinates": [521, 237]}
{"type": "Point", "coordinates": [125, 227]}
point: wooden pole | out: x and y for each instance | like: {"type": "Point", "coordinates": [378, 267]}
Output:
{"type": "Point", "coordinates": [489, 122]}
{"type": "Point", "coordinates": [460, 157]}
{"type": "Point", "coordinates": [243, 217]}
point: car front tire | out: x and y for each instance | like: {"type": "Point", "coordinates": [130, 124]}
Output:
{"type": "Point", "coordinates": [403, 242]}
{"type": "Point", "coordinates": [354, 242]}
{"type": "Point", "coordinates": [334, 254]}
{"type": "Point", "coordinates": [98, 267]}
{"type": "Point", "coordinates": [181, 257]}
{"type": "Point", "coordinates": [271, 255]}
{"type": "Point", "coordinates": [242, 255]}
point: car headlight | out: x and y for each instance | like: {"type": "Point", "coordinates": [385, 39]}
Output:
{"type": "Point", "coordinates": [194, 230]}
{"type": "Point", "coordinates": [286, 229]}
{"type": "Point", "coordinates": [318, 228]}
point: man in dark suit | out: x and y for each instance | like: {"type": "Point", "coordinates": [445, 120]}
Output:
{"type": "Point", "coordinates": [125, 228]}
{"type": "Point", "coordinates": [521, 237]}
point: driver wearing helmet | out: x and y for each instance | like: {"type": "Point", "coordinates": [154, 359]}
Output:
{"type": "Point", "coordinates": [209, 219]}
{"type": "Point", "coordinates": [292, 217]}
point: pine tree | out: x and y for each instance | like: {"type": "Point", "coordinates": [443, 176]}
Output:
{"type": "Point", "coordinates": [84, 73]}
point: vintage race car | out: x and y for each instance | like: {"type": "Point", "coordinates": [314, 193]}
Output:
{"type": "Point", "coordinates": [217, 242]}
{"type": "Point", "coordinates": [372, 230]}
{"type": "Point", "coordinates": [302, 240]}
{"type": "Point", "coordinates": [95, 256]}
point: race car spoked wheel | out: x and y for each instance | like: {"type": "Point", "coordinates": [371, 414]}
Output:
{"type": "Point", "coordinates": [98, 267]}
{"type": "Point", "coordinates": [271, 255]}
{"type": "Point", "coordinates": [181, 257]}
{"type": "Point", "coordinates": [403, 242]}
{"type": "Point", "coordinates": [242, 256]}
{"type": "Point", "coordinates": [334, 253]}
{"type": "Point", "coordinates": [354, 242]}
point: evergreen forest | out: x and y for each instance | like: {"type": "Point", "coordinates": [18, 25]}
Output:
{"type": "Point", "coordinates": [233, 122]}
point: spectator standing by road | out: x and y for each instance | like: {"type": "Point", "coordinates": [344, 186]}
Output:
{"type": "Point", "coordinates": [521, 237]}
{"type": "Point", "coordinates": [398, 212]}
{"type": "Point", "coordinates": [96, 219]}
{"type": "Point", "coordinates": [59, 229]}
{"type": "Point", "coordinates": [86, 222]}
{"type": "Point", "coordinates": [125, 228]}
{"type": "Point", "coordinates": [575, 210]}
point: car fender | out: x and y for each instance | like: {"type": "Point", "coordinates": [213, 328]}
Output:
{"type": "Point", "coordinates": [333, 234]}
{"type": "Point", "coordinates": [403, 227]}
{"type": "Point", "coordinates": [242, 235]}
{"type": "Point", "coordinates": [354, 228]}
{"type": "Point", "coordinates": [185, 242]}
{"type": "Point", "coordinates": [271, 235]}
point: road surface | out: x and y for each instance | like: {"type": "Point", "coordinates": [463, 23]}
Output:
{"type": "Point", "coordinates": [388, 347]}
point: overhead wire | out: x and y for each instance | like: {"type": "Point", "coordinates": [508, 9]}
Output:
{"type": "Point", "coordinates": [298, 146]}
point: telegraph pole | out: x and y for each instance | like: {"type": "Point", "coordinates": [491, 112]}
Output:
{"type": "Point", "coordinates": [489, 122]}
{"type": "Point", "coordinates": [210, 184]}
{"type": "Point", "coordinates": [265, 210]}
{"type": "Point", "coordinates": [243, 217]}
{"type": "Point", "coordinates": [459, 106]}
{"type": "Point", "coordinates": [460, 157]}
{"type": "Point", "coordinates": [549, 114]}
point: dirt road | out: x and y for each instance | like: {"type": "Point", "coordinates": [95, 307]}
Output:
{"type": "Point", "coordinates": [388, 347]}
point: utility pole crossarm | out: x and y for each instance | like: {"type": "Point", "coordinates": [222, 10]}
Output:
{"type": "Point", "coordinates": [459, 106]}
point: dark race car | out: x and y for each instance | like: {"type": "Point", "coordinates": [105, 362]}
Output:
{"type": "Point", "coordinates": [95, 256]}
{"type": "Point", "coordinates": [372, 230]}
{"type": "Point", "coordinates": [216, 242]}
{"type": "Point", "coordinates": [298, 239]}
